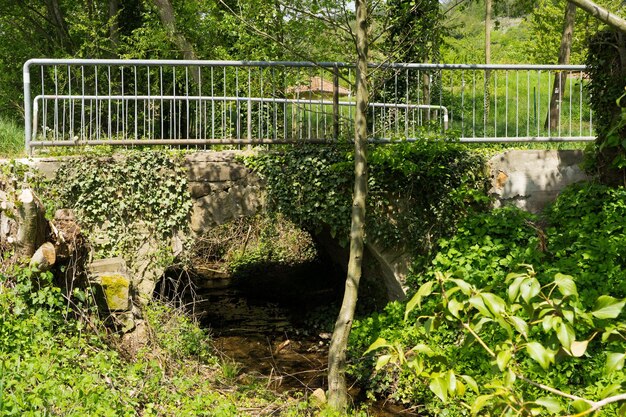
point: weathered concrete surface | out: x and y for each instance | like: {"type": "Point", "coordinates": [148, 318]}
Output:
{"type": "Point", "coordinates": [530, 179]}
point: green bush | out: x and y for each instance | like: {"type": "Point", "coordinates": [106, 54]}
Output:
{"type": "Point", "coordinates": [581, 235]}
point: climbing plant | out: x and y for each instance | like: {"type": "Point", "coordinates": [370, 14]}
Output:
{"type": "Point", "coordinates": [120, 200]}
{"type": "Point", "coordinates": [607, 70]}
{"type": "Point", "coordinates": [417, 191]}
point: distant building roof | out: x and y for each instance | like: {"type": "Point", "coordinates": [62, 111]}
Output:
{"type": "Point", "coordinates": [318, 85]}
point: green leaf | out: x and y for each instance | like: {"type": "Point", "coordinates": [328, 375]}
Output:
{"type": "Point", "coordinates": [423, 348]}
{"type": "Point", "coordinates": [578, 349]}
{"type": "Point", "coordinates": [439, 386]}
{"type": "Point", "coordinates": [520, 325]}
{"type": "Point", "coordinates": [581, 405]}
{"type": "Point", "coordinates": [513, 290]}
{"type": "Point", "coordinates": [480, 402]}
{"type": "Point", "coordinates": [424, 291]}
{"type": "Point", "coordinates": [494, 303]}
{"type": "Point", "coordinates": [503, 358]}
{"type": "Point", "coordinates": [470, 382]}
{"type": "Point", "coordinates": [566, 285]}
{"type": "Point", "coordinates": [607, 307]}
{"type": "Point", "coordinates": [454, 307]}
{"type": "Point", "coordinates": [540, 354]}
{"type": "Point", "coordinates": [565, 334]}
{"type": "Point", "coordinates": [530, 288]}
{"type": "Point", "coordinates": [478, 303]}
{"type": "Point", "coordinates": [549, 403]}
{"type": "Point", "coordinates": [464, 286]}
{"type": "Point", "coordinates": [614, 361]}
{"type": "Point", "coordinates": [378, 344]}
{"type": "Point", "coordinates": [382, 361]}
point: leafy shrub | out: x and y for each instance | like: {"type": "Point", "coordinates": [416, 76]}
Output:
{"type": "Point", "coordinates": [581, 237]}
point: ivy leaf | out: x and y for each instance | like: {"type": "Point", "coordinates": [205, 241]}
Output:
{"type": "Point", "coordinates": [540, 354]}
{"type": "Point", "coordinates": [549, 403]}
{"type": "Point", "coordinates": [614, 361]}
{"type": "Point", "coordinates": [424, 291]}
{"type": "Point", "coordinates": [566, 285]}
{"type": "Point", "coordinates": [608, 307]}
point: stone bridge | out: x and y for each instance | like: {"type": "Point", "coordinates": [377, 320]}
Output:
{"type": "Point", "coordinates": [223, 189]}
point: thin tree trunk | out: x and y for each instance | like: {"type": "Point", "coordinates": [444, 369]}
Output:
{"type": "Point", "coordinates": [168, 19]}
{"type": "Point", "coordinates": [554, 114]}
{"type": "Point", "coordinates": [601, 14]}
{"type": "Point", "coordinates": [114, 26]}
{"type": "Point", "coordinates": [337, 389]}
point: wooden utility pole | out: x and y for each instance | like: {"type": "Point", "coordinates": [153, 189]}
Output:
{"type": "Point", "coordinates": [554, 114]}
{"type": "Point", "coordinates": [337, 389]}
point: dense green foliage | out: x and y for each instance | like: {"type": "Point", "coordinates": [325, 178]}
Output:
{"type": "Point", "coordinates": [607, 68]}
{"type": "Point", "coordinates": [582, 236]}
{"type": "Point", "coordinates": [417, 191]}
{"type": "Point", "coordinates": [125, 199]}
{"type": "Point", "coordinates": [57, 360]}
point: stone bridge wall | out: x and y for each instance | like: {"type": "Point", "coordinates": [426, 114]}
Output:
{"type": "Point", "coordinates": [223, 189]}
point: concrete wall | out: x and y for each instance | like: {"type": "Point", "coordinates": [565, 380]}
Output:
{"type": "Point", "coordinates": [530, 179]}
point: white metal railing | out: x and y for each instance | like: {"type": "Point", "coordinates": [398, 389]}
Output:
{"type": "Point", "coordinates": [200, 103]}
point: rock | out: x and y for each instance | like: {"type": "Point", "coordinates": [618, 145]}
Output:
{"type": "Point", "coordinates": [318, 398]}
{"type": "Point", "coordinates": [112, 285]}
{"type": "Point", "coordinates": [115, 291]}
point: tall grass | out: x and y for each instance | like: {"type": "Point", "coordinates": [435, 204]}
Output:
{"type": "Point", "coordinates": [11, 138]}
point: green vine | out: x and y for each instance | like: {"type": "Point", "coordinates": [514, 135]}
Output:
{"type": "Point", "coordinates": [121, 200]}
{"type": "Point", "coordinates": [607, 71]}
{"type": "Point", "coordinates": [417, 191]}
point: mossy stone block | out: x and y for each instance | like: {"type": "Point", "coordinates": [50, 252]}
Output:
{"type": "Point", "coordinates": [115, 291]}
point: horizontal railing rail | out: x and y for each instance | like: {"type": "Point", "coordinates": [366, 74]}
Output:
{"type": "Point", "coordinates": [72, 102]}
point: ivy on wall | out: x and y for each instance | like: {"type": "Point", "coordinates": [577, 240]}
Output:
{"type": "Point", "coordinates": [417, 191]}
{"type": "Point", "coordinates": [607, 69]}
{"type": "Point", "coordinates": [124, 198]}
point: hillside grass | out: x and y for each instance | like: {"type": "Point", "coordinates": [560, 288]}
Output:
{"type": "Point", "coordinates": [11, 138]}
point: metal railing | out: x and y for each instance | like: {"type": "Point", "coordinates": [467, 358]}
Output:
{"type": "Point", "coordinates": [201, 103]}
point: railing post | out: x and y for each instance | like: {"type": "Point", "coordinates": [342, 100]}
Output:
{"type": "Point", "coordinates": [27, 107]}
{"type": "Point", "coordinates": [336, 102]}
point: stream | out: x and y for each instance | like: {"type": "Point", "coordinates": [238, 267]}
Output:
{"type": "Point", "coordinates": [278, 327]}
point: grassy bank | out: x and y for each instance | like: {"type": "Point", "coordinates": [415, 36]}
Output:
{"type": "Point", "coordinates": [11, 138]}
{"type": "Point", "coordinates": [57, 359]}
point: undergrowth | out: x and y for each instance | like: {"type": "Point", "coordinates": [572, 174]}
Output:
{"type": "Point", "coordinates": [57, 360]}
{"type": "Point", "coordinates": [583, 235]}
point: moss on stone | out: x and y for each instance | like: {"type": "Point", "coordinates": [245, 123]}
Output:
{"type": "Point", "coordinates": [115, 289]}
